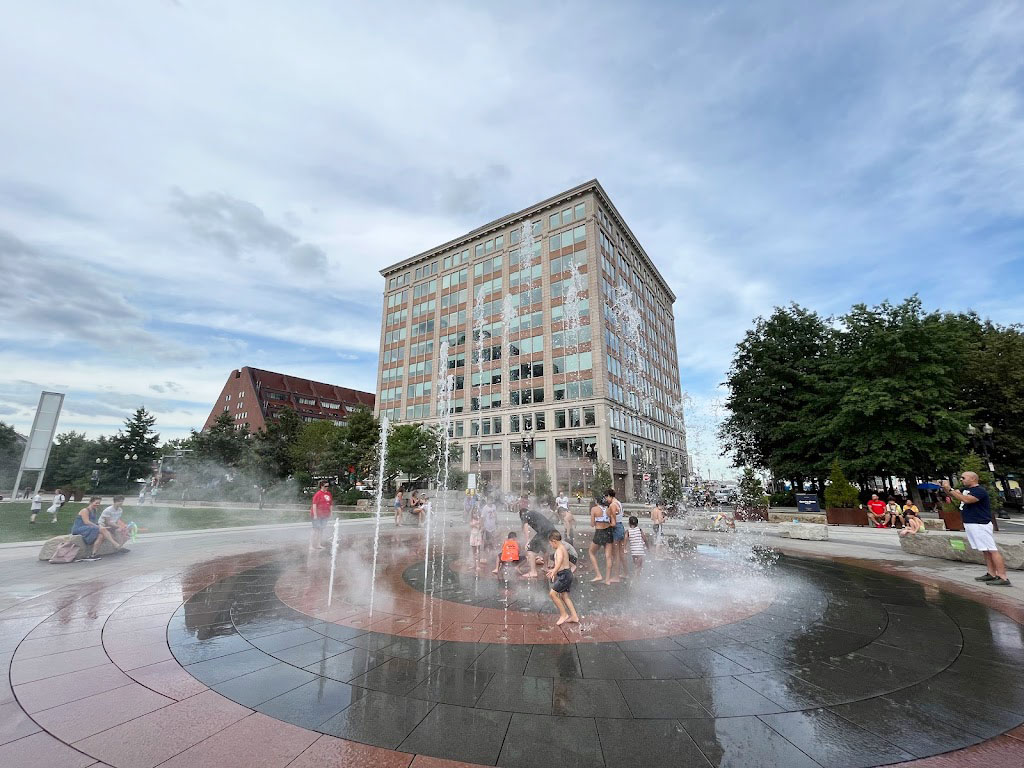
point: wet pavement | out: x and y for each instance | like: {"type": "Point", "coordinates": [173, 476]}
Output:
{"type": "Point", "coordinates": [235, 658]}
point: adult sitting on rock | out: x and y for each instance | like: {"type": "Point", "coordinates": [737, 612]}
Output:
{"type": "Point", "coordinates": [90, 530]}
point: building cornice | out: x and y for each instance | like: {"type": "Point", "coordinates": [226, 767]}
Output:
{"type": "Point", "coordinates": [527, 213]}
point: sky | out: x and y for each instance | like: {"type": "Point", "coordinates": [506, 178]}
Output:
{"type": "Point", "coordinates": [189, 187]}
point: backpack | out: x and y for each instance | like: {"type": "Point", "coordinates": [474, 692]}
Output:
{"type": "Point", "coordinates": [66, 552]}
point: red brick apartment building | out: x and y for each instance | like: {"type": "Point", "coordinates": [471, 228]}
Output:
{"type": "Point", "coordinates": [254, 397]}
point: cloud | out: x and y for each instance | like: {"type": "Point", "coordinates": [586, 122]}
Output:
{"type": "Point", "coordinates": [823, 153]}
{"type": "Point", "coordinates": [239, 228]}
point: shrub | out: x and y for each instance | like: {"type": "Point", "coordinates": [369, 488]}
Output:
{"type": "Point", "coordinates": [783, 499]}
{"type": "Point", "coordinates": [840, 493]}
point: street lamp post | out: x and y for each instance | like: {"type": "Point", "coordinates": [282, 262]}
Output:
{"type": "Point", "coordinates": [96, 472]}
{"type": "Point", "coordinates": [590, 452]}
{"type": "Point", "coordinates": [983, 437]}
{"type": "Point", "coordinates": [130, 457]}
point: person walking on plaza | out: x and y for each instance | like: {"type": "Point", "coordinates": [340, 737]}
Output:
{"type": "Point", "coordinates": [976, 511]}
{"type": "Point", "coordinates": [319, 513]}
{"type": "Point", "coordinates": [37, 505]}
{"type": "Point", "coordinates": [59, 500]}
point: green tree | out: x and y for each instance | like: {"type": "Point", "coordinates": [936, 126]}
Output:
{"type": "Point", "coordinates": [412, 450]}
{"type": "Point", "coordinates": [602, 477]}
{"type": "Point", "coordinates": [318, 448]}
{"type": "Point", "coordinates": [543, 485]}
{"type": "Point", "coordinates": [136, 446]}
{"type": "Point", "coordinates": [751, 491]}
{"type": "Point", "coordinates": [273, 445]}
{"type": "Point", "coordinates": [72, 462]}
{"type": "Point", "coordinates": [840, 493]}
{"type": "Point", "coordinates": [359, 448]}
{"type": "Point", "coordinates": [10, 456]}
{"type": "Point", "coordinates": [990, 366]}
{"type": "Point", "coordinates": [671, 485]}
{"type": "Point", "coordinates": [780, 395]}
{"type": "Point", "coordinates": [221, 444]}
{"type": "Point", "coordinates": [898, 411]}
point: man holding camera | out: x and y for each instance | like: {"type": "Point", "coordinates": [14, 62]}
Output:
{"type": "Point", "coordinates": [976, 511]}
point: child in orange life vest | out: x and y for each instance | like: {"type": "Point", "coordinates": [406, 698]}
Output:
{"type": "Point", "coordinates": [509, 554]}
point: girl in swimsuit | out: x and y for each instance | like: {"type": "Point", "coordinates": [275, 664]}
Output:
{"type": "Point", "coordinates": [602, 523]}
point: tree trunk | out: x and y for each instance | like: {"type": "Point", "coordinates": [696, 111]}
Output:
{"type": "Point", "coordinates": [914, 492]}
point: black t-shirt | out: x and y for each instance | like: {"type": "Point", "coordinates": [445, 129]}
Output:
{"type": "Point", "coordinates": [981, 510]}
{"type": "Point", "coordinates": [539, 523]}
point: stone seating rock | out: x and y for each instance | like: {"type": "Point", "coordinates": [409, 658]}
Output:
{"type": "Point", "coordinates": [787, 516]}
{"type": "Point", "coordinates": [808, 531]}
{"type": "Point", "coordinates": [50, 546]}
{"type": "Point", "coordinates": [952, 545]}
{"type": "Point", "coordinates": [703, 521]}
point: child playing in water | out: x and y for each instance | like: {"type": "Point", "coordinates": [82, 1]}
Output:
{"type": "Point", "coordinates": [658, 520]}
{"type": "Point", "coordinates": [637, 543]}
{"type": "Point", "coordinates": [509, 554]}
{"type": "Point", "coordinates": [560, 577]}
{"type": "Point", "coordinates": [476, 536]}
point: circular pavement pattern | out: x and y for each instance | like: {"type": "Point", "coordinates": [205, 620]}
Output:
{"type": "Point", "coordinates": [841, 667]}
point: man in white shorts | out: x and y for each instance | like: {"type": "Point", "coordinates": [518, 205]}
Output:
{"type": "Point", "coordinates": [976, 511]}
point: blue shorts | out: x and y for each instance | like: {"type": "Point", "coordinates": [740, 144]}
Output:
{"type": "Point", "coordinates": [319, 523]}
{"type": "Point", "coordinates": [563, 581]}
{"type": "Point", "coordinates": [618, 532]}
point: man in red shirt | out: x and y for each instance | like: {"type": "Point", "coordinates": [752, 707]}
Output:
{"type": "Point", "coordinates": [877, 514]}
{"type": "Point", "coordinates": [320, 513]}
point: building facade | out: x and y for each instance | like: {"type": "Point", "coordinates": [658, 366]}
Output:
{"type": "Point", "coordinates": [255, 397]}
{"type": "Point", "coordinates": [536, 391]}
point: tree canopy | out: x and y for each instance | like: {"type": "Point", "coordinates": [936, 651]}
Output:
{"type": "Point", "coordinates": [886, 390]}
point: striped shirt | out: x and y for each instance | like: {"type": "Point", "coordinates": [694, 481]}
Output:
{"type": "Point", "coordinates": [636, 541]}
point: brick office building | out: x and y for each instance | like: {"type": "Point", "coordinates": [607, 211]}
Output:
{"type": "Point", "coordinates": [254, 396]}
{"type": "Point", "coordinates": [540, 402]}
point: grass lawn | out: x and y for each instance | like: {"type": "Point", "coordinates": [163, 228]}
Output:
{"type": "Point", "coordinates": [151, 518]}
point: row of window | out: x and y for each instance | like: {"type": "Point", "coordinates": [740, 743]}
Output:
{"type": "Point", "coordinates": [567, 239]}
{"type": "Point", "coordinates": [424, 289]}
{"type": "Point", "coordinates": [567, 216]}
{"type": "Point", "coordinates": [426, 270]}
{"type": "Point", "coordinates": [454, 259]}
{"type": "Point", "coordinates": [455, 279]}
{"type": "Point", "coordinates": [398, 281]}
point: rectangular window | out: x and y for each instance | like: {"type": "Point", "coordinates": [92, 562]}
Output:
{"type": "Point", "coordinates": [539, 422]}
{"type": "Point", "coordinates": [540, 449]}
{"type": "Point", "coordinates": [560, 421]}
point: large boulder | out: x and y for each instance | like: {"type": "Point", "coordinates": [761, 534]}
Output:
{"type": "Point", "coordinates": [808, 531]}
{"type": "Point", "coordinates": [50, 546]}
{"type": "Point", "coordinates": [704, 521]}
{"type": "Point", "coordinates": [803, 517]}
{"type": "Point", "coordinates": [950, 545]}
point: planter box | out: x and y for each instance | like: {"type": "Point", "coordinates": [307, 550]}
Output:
{"type": "Point", "coordinates": [952, 519]}
{"type": "Point", "coordinates": [748, 514]}
{"type": "Point", "coordinates": [847, 516]}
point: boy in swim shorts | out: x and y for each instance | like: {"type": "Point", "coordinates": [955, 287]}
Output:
{"type": "Point", "coordinates": [560, 576]}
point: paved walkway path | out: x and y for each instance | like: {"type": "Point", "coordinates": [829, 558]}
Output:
{"type": "Point", "coordinates": [92, 679]}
